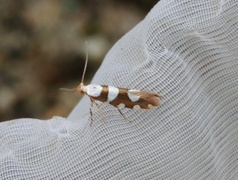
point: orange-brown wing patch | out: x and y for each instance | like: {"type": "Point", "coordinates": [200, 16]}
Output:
{"type": "Point", "coordinates": [122, 98]}
{"type": "Point", "coordinates": [146, 99]}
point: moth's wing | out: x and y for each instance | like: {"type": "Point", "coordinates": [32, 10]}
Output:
{"type": "Point", "coordinates": [147, 99]}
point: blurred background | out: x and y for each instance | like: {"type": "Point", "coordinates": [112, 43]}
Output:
{"type": "Point", "coordinates": [42, 49]}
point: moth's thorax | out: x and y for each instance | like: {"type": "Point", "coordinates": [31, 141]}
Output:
{"type": "Point", "coordinates": [91, 90]}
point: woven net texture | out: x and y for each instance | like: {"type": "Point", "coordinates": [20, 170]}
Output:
{"type": "Point", "coordinates": [188, 51]}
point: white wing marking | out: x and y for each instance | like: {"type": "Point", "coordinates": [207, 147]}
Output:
{"type": "Point", "coordinates": [132, 94]}
{"type": "Point", "coordinates": [112, 93]}
{"type": "Point", "coordinates": [136, 107]}
{"type": "Point", "coordinates": [93, 90]}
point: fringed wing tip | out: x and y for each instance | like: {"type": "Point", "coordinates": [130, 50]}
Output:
{"type": "Point", "coordinates": [150, 99]}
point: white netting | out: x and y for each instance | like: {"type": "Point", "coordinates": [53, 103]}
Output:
{"type": "Point", "coordinates": [186, 50]}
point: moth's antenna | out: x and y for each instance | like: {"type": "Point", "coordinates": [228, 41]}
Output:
{"type": "Point", "coordinates": [84, 70]}
{"type": "Point", "coordinates": [65, 89]}
{"type": "Point", "coordinates": [86, 61]}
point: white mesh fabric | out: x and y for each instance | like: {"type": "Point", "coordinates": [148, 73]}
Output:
{"type": "Point", "coordinates": [186, 50]}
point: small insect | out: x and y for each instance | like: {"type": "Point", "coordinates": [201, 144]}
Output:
{"type": "Point", "coordinates": [117, 97]}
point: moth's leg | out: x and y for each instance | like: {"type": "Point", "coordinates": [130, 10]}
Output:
{"type": "Point", "coordinates": [98, 106]}
{"type": "Point", "coordinates": [91, 113]}
{"type": "Point", "coordinates": [100, 109]}
{"type": "Point", "coordinates": [122, 114]}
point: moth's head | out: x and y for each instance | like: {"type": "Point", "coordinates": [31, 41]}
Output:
{"type": "Point", "coordinates": [81, 88]}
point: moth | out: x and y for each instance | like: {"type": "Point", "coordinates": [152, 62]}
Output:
{"type": "Point", "coordinates": [117, 97]}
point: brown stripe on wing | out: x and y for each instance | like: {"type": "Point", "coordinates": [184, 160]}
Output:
{"type": "Point", "coordinates": [122, 98]}
{"type": "Point", "coordinates": [103, 96]}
